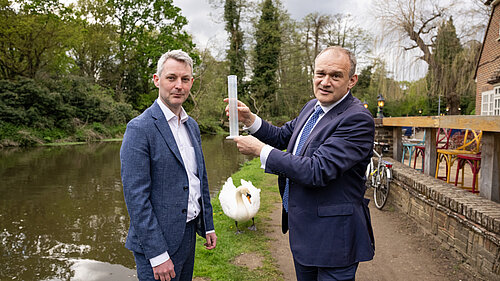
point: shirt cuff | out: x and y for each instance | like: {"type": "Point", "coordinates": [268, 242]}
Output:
{"type": "Point", "coordinates": [210, 231]}
{"type": "Point", "coordinates": [255, 126]}
{"type": "Point", "coordinates": [264, 153]}
{"type": "Point", "coordinates": [156, 261]}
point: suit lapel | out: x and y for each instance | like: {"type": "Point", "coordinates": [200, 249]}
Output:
{"type": "Point", "coordinates": [164, 129]}
{"type": "Point", "coordinates": [301, 120]}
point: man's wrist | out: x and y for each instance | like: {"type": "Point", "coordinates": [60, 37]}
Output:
{"type": "Point", "coordinates": [254, 126]}
{"type": "Point", "coordinates": [250, 121]}
{"type": "Point", "coordinates": [156, 261]}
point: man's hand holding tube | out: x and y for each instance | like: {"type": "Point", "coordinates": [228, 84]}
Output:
{"type": "Point", "coordinates": [244, 114]}
{"type": "Point", "coordinates": [247, 145]}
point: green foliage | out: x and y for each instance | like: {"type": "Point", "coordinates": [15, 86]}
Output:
{"type": "Point", "coordinates": [218, 264]}
{"type": "Point", "coordinates": [35, 38]}
{"type": "Point", "coordinates": [267, 50]}
{"type": "Point", "coordinates": [441, 79]}
{"type": "Point", "coordinates": [236, 54]}
{"type": "Point", "coordinates": [55, 109]}
{"type": "Point", "coordinates": [208, 92]}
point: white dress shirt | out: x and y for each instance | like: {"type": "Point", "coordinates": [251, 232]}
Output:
{"type": "Point", "coordinates": [264, 153]}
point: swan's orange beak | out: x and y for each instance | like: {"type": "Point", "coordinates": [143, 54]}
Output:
{"type": "Point", "coordinates": [248, 197]}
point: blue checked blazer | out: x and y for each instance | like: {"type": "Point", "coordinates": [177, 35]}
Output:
{"type": "Point", "coordinates": [155, 184]}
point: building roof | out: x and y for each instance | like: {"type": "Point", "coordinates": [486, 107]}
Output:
{"type": "Point", "coordinates": [493, 3]}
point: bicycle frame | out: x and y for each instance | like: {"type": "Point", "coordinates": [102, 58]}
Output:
{"type": "Point", "coordinates": [371, 174]}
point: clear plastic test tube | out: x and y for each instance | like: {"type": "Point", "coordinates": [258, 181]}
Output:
{"type": "Point", "coordinates": [232, 87]}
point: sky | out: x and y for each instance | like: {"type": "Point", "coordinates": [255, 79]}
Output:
{"type": "Point", "coordinates": [206, 26]}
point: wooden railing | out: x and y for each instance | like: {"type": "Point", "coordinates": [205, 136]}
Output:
{"type": "Point", "coordinates": [489, 181]}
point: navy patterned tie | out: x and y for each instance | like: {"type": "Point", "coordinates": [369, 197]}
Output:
{"type": "Point", "coordinates": [305, 133]}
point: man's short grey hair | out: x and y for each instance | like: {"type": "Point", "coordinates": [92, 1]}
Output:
{"type": "Point", "coordinates": [352, 58]}
{"type": "Point", "coordinates": [178, 55]}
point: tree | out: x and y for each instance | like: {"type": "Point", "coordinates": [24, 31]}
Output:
{"type": "Point", "coordinates": [208, 91]}
{"type": "Point", "coordinates": [34, 39]}
{"type": "Point", "coordinates": [267, 50]}
{"type": "Point", "coordinates": [313, 29]}
{"type": "Point", "coordinates": [236, 54]}
{"type": "Point", "coordinates": [444, 51]}
{"type": "Point", "coordinates": [416, 23]}
{"type": "Point", "coordinates": [146, 29]}
{"type": "Point", "coordinates": [343, 31]}
{"type": "Point", "coordinates": [96, 40]}
{"type": "Point", "coordinates": [293, 78]}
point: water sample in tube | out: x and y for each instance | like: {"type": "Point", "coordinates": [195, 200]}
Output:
{"type": "Point", "coordinates": [232, 87]}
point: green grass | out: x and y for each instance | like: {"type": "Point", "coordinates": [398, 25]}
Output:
{"type": "Point", "coordinates": [218, 264]}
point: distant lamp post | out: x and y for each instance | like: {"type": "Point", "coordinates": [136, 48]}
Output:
{"type": "Point", "coordinates": [365, 104]}
{"type": "Point", "coordinates": [380, 103]}
{"type": "Point", "coordinates": [420, 111]}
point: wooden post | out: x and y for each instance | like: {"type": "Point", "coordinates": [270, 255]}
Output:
{"type": "Point", "coordinates": [397, 149]}
{"type": "Point", "coordinates": [489, 181]}
{"type": "Point", "coordinates": [430, 152]}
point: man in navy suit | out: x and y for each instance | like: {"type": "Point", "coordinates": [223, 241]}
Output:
{"type": "Point", "coordinates": [322, 173]}
{"type": "Point", "coordinates": [165, 180]}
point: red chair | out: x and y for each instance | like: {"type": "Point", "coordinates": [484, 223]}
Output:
{"type": "Point", "coordinates": [474, 162]}
{"type": "Point", "coordinates": [449, 156]}
{"type": "Point", "coordinates": [442, 142]}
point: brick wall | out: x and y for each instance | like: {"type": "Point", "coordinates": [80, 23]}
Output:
{"type": "Point", "coordinates": [465, 224]}
{"type": "Point", "coordinates": [489, 61]}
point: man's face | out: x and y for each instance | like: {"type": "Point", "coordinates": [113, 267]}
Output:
{"type": "Point", "coordinates": [331, 77]}
{"type": "Point", "coordinates": [174, 84]}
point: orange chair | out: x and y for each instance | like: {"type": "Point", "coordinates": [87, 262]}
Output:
{"type": "Point", "coordinates": [474, 161]}
{"type": "Point", "coordinates": [442, 141]}
{"type": "Point", "coordinates": [471, 145]}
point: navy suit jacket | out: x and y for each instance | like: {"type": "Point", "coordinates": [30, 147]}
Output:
{"type": "Point", "coordinates": [155, 184]}
{"type": "Point", "coordinates": [328, 216]}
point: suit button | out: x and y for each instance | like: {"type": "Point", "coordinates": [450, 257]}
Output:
{"type": "Point", "coordinates": [184, 211]}
{"type": "Point", "coordinates": [185, 188]}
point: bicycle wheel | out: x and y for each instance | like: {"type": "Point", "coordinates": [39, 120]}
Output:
{"type": "Point", "coordinates": [381, 191]}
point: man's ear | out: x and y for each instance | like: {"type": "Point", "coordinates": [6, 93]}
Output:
{"type": "Point", "coordinates": [352, 81]}
{"type": "Point", "coordinates": [156, 80]}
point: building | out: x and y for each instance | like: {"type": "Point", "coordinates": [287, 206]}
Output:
{"type": "Point", "coordinates": [487, 74]}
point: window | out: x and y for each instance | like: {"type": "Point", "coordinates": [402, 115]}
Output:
{"type": "Point", "coordinates": [490, 103]}
{"type": "Point", "coordinates": [496, 103]}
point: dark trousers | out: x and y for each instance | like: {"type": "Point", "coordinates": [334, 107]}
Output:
{"type": "Point", "coordinates": [183, 259]}
{"type": "Point", "coordinates": [310, 273]}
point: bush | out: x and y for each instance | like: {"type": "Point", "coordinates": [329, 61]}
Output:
{"type": "Point", "coordinates": [54, 109]}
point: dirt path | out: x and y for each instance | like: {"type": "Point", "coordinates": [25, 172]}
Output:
{"type": "Point", "coordinates": [403, 251]}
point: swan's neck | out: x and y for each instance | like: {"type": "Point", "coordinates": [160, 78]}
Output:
{"type": "Point", "coordinates": [239, 197]}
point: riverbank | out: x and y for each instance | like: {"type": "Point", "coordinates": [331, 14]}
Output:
{"type": "Point", "coordinates": [13, 136]}
{"type": "Point", "coordinates": [246, 256]}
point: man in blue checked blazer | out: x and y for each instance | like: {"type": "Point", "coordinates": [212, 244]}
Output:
{"type": "Point", "coordinates": [322, 173]}
{"type": "Point", "coordinates": [164, 179]}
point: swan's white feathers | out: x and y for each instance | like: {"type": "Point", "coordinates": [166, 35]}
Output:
{"type": "Point", "coordinates": [234, 200]}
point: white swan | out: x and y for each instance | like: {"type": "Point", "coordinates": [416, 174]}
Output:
{"type": "Point", "coordinates": [233, 205]}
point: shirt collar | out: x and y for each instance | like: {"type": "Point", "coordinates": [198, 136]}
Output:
{"type": "Point", "coordinates": [329, 107]}
{"type": "Point", "coordinates": [169, 114]}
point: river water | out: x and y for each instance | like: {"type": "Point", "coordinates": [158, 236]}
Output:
{"type": "Point", "coordinates": [62, 212]}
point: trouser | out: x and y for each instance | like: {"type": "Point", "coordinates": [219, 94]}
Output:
{"type": "Point", "coordinates": [310, 273]}
{"type": "Point", "coordinates": [183, 259]}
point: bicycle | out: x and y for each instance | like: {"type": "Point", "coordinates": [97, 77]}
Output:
{"type": "Point", "coordinates": [379, 177]}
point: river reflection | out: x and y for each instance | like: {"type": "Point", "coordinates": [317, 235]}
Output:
{"type": "Point", "coordinates": [62, 213]}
